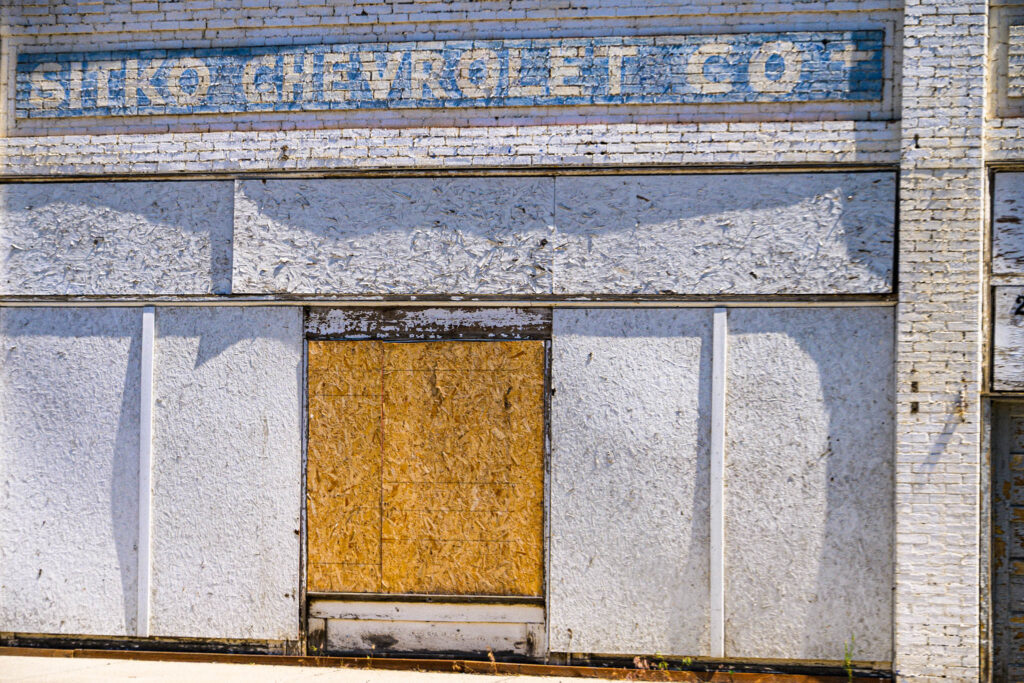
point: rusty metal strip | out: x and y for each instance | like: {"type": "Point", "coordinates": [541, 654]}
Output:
{"type": "Point", "coordinates": [460, 665]}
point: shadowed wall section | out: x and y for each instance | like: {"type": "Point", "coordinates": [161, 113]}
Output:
{"type": "Point", "coordinates": [69, 437]}
{"type": "Point", "coordinates": [808, 463]}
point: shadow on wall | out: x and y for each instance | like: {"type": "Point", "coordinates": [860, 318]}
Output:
{"type": "Point", "coordinates": [727, 234]}
{"type": "Point", "coordinates": [85, 238]}
{"type": "Point", "coordinates": [809, 492]}
{"type": "Point", "coordinates": [809, 475]}
{"type": "Point", "coordinates": [629, 480]}
{"type": "Point", "coordinates": [699, 234]}
{"type": "Point", "coordinates": [61, 366]}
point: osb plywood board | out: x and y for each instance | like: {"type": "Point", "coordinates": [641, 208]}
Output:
{"type": "Point", "coordinates": [426, 467]}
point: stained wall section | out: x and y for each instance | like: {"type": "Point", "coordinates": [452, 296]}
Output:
{"type": "Point", "coordinates": [227, 472]}
{"type": "Point", "coordinates": [69, 439]}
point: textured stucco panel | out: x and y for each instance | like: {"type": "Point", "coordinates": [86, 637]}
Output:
{"type": "Point", "coordinates": [630, 426]}
{"type": "Point", "coordinates": [115, 238]}
{"type": "Point", "coordinates": [1008, 224]}
{"type": "Point", "coordinates": [394, 236]}
{"type": "Point", "coordinates": [806, 233]}
{"type": "Point", "coordinates": [69, 445]}
{"type": "Point", "coordinates": [227, 472]}
{"type": "Point", "coordinates": [809, 492]}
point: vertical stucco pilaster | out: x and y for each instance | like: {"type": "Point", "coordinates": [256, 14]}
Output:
{"type": "Point", "coordinates": [939, 342]}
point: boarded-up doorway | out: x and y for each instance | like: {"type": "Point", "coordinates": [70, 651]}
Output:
{"type": "Point", "coordinates": [426, 467]}
{"type": "Point", "coordinates": [1008, 541]}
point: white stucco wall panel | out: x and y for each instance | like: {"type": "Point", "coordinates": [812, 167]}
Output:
{"type": "Point", "coordinates": [115, 238]}
{"type": "Point", "coordinates": [805, 233]}
{"type": "Point", "coordinates": [809, 483]}
{"type": "Point", "coordinates": [227, 472]}
{"type": "Point", "coordinates": [69, 445]}
{"type": "Point", "coordinates": [628, 567]}
{"type": "Point", "coordinates": [394, 236]}
{"type": "Point", "coordinates": [1008, 224]}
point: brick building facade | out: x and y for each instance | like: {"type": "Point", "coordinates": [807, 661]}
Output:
{"type": "Point", "coordinates": [740, 280]}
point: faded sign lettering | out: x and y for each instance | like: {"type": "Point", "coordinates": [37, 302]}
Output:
{"type": "Point", "coordinates": [753, 67]}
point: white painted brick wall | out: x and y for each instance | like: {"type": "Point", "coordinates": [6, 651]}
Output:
{"type": "Point", "coordinates": [644, 145]}
{"type": "Point", "coordinates": [939, 342]}
{"type": "Point", "coordinates": [940, 322]}
{"type": "Point", "coordinates": [70, 25]}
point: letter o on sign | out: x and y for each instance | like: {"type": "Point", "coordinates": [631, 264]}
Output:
{"type": "Point", "coordinates": [481, 86]}
{"type": "Point", "coordinates": [179, 68]}
{"type": "Point", "coordinates": [781, 58]}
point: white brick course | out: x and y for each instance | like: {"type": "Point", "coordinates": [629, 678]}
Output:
{"type": "Point", "coordinates": [476, 147]}
{"type": "Point", "coordinates": [939, 342]}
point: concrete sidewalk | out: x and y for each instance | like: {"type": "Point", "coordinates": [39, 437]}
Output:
{"type": "Point", "coordinates": [88, 670]}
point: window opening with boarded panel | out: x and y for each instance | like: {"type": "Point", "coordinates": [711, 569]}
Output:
{"type": "Point", "coordinates": [426, 467]}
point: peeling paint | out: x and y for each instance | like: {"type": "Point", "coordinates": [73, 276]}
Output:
{"type": "Point", "coordinates": [1007, 227]}
{"type": "Point", "coordinates": [430, 323]}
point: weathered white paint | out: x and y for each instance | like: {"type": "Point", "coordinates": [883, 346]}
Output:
{"type": "Point", "coordinates": [1008, 343]}
{"type": "Point", "coordinates": [630, 425]}
{"type": "Point", "coordinates": [412, 323]}
{"type": "Point", "coordinates": [1008, 224]}
{"type": "Point", "coordinates": [69, 447]}
{"type": "Point", "coordinates": [396, 610]}
{"type": "Point", "coordinates": [719, 357]}
{"type": "Point", "coordinates": [145, 469]}
{"type": "Point", "coordinates": [115, 238]}
{"type": "Point", "coordinates": [777, 233]}
{"type": "Point", "coordinates": [359, 626]}
{"type": "Point", "coordinates": [368, 636]}
{"type": "Point", "coordinates": [809, 464]}
{"type": "Point", "coordinates": [394, 236]}
{"type": "Point", "coordinates": [227, 472]}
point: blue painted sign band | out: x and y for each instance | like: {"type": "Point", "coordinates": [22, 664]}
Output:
{"type": "Point", "coordinates": [689, 69]}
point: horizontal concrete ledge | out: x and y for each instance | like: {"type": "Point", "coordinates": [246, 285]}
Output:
{"type": "Point", "coordinates": [471, 172]}
{"type": "Point", "coordinates": [768, 301]}
{"type": "Point", "coordinates": [751, 671]}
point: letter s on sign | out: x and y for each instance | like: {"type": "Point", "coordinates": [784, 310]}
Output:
{"type": "Point", "coordinates": [46, 93]}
